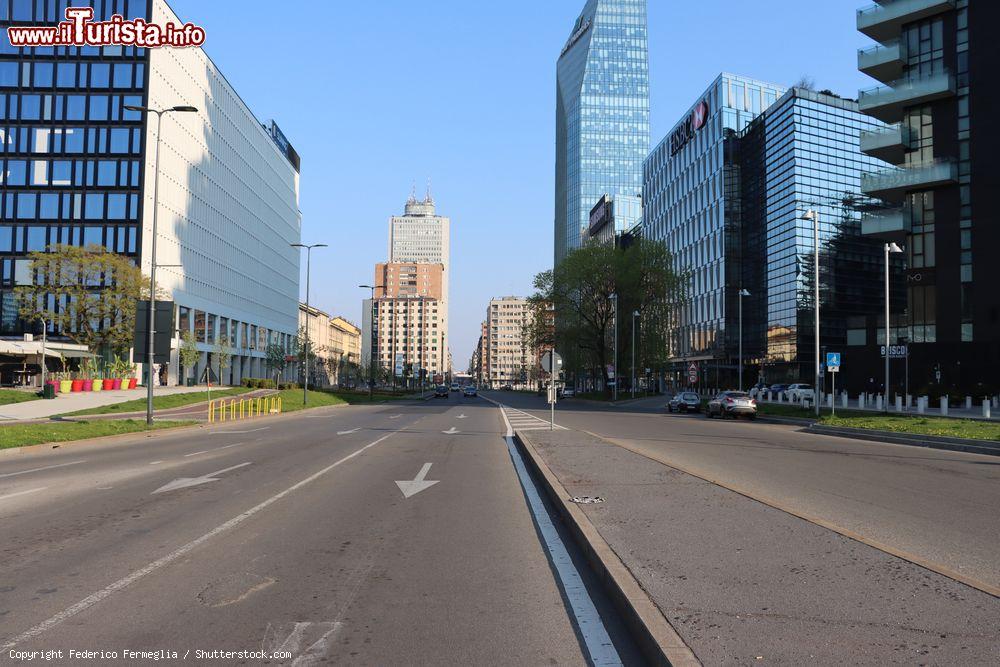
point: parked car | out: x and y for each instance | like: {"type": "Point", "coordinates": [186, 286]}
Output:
{"type": "Point", "coordinates": [798, 392]}
{"type": "Point", "coordinates": [568, 392]}
{"type": "Point", "coordinates": [507, 387]}
{"type": "Point", "coordinates": [777, 389]}
{"type": "Point", "coordinates": [732, 404]}
{"type": "Point", "coordinates": [685, 401]}
{"type": "Point", "coordinates": [441, 391]}
{"type": "Point", "coordinates": [469, 392]}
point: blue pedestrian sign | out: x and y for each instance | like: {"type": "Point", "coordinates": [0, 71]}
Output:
{"type": "Point", "coordinates": [833, 361]}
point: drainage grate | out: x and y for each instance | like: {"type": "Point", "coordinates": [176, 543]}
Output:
{"type": "Point", "coordinates": [588, 500]}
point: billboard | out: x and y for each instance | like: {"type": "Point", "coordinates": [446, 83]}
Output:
{"type": "Point", "coordinates": [600, 215]}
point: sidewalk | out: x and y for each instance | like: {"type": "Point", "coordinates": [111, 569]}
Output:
{"type": "Point", "coordinates": [64, 403]}
{"type": "Point", "coordinates": [743, 583]}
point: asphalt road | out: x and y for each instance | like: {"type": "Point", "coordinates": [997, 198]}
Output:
{"type": "Point", "coordinates": [291, 534]}
{"type": "Point", "coordinates": [937, 507]}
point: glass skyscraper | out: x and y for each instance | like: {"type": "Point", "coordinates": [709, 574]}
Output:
{"type": "Point", "coordinates": [602, 114]}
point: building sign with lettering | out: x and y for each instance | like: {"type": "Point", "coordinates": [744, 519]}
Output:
{"type": "Point", "coordinates": [685, 132]}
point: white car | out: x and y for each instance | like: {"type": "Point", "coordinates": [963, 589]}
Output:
{"type": "Point", "coordinates": [799, 392]}
{"type": "Point", "coordinates": [568, 392]}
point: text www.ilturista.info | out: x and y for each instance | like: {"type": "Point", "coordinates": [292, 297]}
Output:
{"type": "Point", "coordinates": [79, 29]}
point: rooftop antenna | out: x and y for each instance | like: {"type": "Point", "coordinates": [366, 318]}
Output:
{"type": "Point", "coordinates": [413, 193]}
{"type": "Point", "coordinates": [429, 197]}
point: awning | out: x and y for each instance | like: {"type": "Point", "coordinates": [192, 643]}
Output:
{"type": "Point", "coordinates": [69, 351]}
{"type": "Point", "coordinates": [14, 348]}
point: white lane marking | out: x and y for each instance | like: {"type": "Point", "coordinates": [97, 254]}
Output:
{"type": "Point", "coordinates": [206, 451]}
{"type": "Point", "coordinates": [135, 576]}
{"type": "Point", "coordinates": [25, 472]}
{"type": "Point", "coordinates": [588, 621]}
{"type": "Point", "coordinates": [22, 493]}
{"type": "Point", "coordinates": [185, 482]}
{"type": "Point", "coordinates": [395, 416]}
{"type": "Point", "coordinates": [348, 432]}
{"type": "Point", "coordinates": [418, 484]}
{"type": "Point", "coordinates": [451, 431]}
{"type": "Point", "coordinates": [155, 463]}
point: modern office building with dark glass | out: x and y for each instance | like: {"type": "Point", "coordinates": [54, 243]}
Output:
{"type": "Point", "coordinates": [802, 155]}
{"type": "Point", "coordinates": [937, 61]}
{"type": "Point", "coordinates": [78, 169]}
{"type": "Point", "coordinates": [602, 114]}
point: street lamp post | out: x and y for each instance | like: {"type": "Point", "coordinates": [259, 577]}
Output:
{"type": "Point", "coordinates": [152, 252]}
{"type": "Point", "coordinates": [890, 248]}
{"type": "Point", "coordinates": [635, 315]}
{"type": "Point", "coordinates": [614, 395]}
{"type": "Point", "coordinates": [743, 293]}
{"type": "Point", "coordinates": [814, 217]}
{"type": "Point", "coordinates": [305, 374]}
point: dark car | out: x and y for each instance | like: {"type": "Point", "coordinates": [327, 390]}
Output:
{"type": "Point", "coordinates": [469, 391]}
{"type": "Point", "coordinates": [778, 388]}
{"type": "Point", "coordinates": [732, 404]}
{"type": "Point", "coordinates": [684, 401]}
{"type": "Point", "coordinates": [507, 387]}
{"type": "Point", "coordinates": [441, 391]}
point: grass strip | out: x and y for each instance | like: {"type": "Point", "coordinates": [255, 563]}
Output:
{"type": "Point", "coordinates": [291, 400]}
{"type": "Point", "coordinates": [160, 402]}
{"type": "Point", "coordinates": [24, 435]}
{"type": "Point", "coordinates": [11, 396]}
{"type": "Point", "coordinates": [948, 427]}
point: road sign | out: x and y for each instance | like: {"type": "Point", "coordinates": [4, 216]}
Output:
{"type": "Point", "coordinates": [547, 362]}
{"type": "Point", "coordinates": [833, 361]}
{"type": "Point", "coordinates": [693, 373]}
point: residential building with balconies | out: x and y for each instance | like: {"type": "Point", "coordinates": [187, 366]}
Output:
{"type": "Point", "coordinates": [934, 61]}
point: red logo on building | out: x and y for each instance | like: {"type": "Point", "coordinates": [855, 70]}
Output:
{"type": "Point", "coordinates": [700, 115]}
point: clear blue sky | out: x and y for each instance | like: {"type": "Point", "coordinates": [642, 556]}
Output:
{"type": "Point", "coordinates": [377, 95]}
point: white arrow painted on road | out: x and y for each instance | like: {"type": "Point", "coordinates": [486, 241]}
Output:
{"type": "Point", "coordinates": [348, 432]}
{"type": "Point", "coordinates": [395, 416]}
{"type": "Point", "coordinates": [461, 417]}
{"type": "Point", "coordinates": [451, 431]}
{"type": "Point", "coordinates": [185, 482]}
{"type": "Point", "coordinates": [417, 485]}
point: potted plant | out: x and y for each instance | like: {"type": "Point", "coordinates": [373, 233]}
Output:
{"type": "Point", "coordinates": [119, 372]}
{"type": "Point", "coordinates": [132, 379]}
{"type": "Point", "coordinates": [98, 378]}
{"type": "Point", "coordinates": [87, 371]}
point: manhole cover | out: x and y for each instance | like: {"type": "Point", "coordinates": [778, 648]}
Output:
{"type": "Point", "coordinates": [588, 500]}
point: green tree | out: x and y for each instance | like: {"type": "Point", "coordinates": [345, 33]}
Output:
{"type": "Point", "coordinates": [188, 353]}
{"type": "Point", "coordinates": [93, 294]}
{"type": "Point", "coordinates": [223, 355]}
{"type": "Point", "coordinates": [580, 292]}
{"type": "Point", "coordinates": [276, 361]}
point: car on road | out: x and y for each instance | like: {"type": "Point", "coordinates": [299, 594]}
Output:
{"type": "Point", "coordinates": [507, 387]}
{"type": "Point", "coordinates": [469, 392]}
{"type": "Point", "coordinates": [798, 392]}
{"type": "Point", "coordinates": [455, 386]}
{"type": "Point", "coordinates": [685, 401]}
{"type": "Point", "coordinates": [568, 392]}
{"type": "Point", "coordinates": [732, 404]}
{"type": "Point", "coordinates": [441, 391]}
{"type": "Point", "coordinates": [778, 389]}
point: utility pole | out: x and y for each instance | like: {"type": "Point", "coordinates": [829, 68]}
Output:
{"type": "Point", "coordinates": [305, 375]}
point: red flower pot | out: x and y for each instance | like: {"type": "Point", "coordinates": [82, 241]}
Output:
{"type": "Point", "coordinates": [132, 382]}
{"type": "Point", "coordinates": [109, 384]}
{"type": "Point", "coordinates": [88, 385]}
{"type": "Point", "coordinates": [77, 386]}
{"type": "Point", "coordinates": [116, 384]}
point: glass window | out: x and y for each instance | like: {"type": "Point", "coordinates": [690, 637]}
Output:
{"type": "Point", "coordinates": [183, 319]}
{"type": "Point", "coordinates": [48, 208]}
{"type": "Point", "coordinates": [31, 107]}
{"type": "Point", "coordinates": [36, 239]}
{"type": "Point", "coordinates": [107, 173]}
{"type": "Point", "coordinates": [123, 75]}
{"type": "Point", "coordinates": [199, 326]}
{"type": "Point", "coordinates": [8, 73]}
{"type": "Point", "coordinates": [93, 236]}
{"type": "Point", "coordinates": [210, 330]}
{"type": "Point", "coordinates": [100, 75]}
{"type": "Point", "coordinates": [17, 172]}
{"type": "Point", "coordinates": [43, 75]}
{"type": "Point", "coordinates": [120, 138]}
{"type": "Point", "coordinates": [98, 107]}
{"type": "Point", "coordinates": [94, 207]}
{"type": "Point", "coordinates": [117, 204]}
{"type": "Point", "coordinates": [66, 75]}
{"type": "Point", "coordinates": [76, 107]}
{"type": "Point", "coordinates": [22, 10]}
{"type": "Point", "coordinates": [26, 206]}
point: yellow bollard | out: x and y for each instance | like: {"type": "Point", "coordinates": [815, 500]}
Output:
{"type": "Point", "coordinates": [211, 414]}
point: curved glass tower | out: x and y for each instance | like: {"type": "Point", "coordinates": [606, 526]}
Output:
{"type": "Point", "coordinates": [602, 114]}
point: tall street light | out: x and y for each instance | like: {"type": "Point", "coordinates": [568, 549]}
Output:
{"type": "Point", "coordinates": [614, 299]}
{"type": "Point", "coordinates": [635, 315]}
{"type": "Point", "coordinates": [743, 293]}
{"type": "Point", "coordinates": [890, 248]}
{"type": "Point", "coordinates": [309, 249]}
{"type": "Point", "coordinates": [814, 217]}
{"type": "Point", "coordinates": [152, 253]}
{"type": "Point", "coordinates": [371, 363]}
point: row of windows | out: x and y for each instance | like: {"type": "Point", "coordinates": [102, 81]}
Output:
{"type": "Point", "coordinates": [36, 238]}
{"type": "Point", "coordinates": [71, 140]}
{"type": "Point", "coordinates": [46, 75]}
{"type": "Point", "coordinates": [69, 173]}
{"type": "Point", "coordinates": [211, 329]}
{"type": "Point", "coordinates": [50, 11]}
{"type": "Point", "coordinates": [70, 206]}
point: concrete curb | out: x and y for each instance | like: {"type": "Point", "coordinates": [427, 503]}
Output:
{"type": "Point", "coordinates": [654, 635]}
{"type": "Point", "coordinates": [928, 441]}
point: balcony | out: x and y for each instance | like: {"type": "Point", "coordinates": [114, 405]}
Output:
{"type": "Point", "coordinates": [885, 224]}
{"type": "Point", "coordinates": [889, 143]}
{"type": "Point", "coordinates": [884, 21]}
{"type": "Point", "coordinates": [887, 103]}
{"type": "Point", "coordinates": [893, 184]}
{"type": "Point", "coordinates": [883, 62]}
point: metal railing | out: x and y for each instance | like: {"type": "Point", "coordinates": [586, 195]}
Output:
{"type": "Point", "coordinates": [233, 409]}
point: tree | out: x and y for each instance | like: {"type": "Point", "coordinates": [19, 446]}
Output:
{"type": "Point", "coordinates": [580, 290]}
{"type": "Point", "coordinates": [276, 362]}
{"type": "Point", "coordinates": [89, 294]}
{"type": "Point", "coordinates": [188, 353]}
{"type": "Point", "coordinates": [223, 355]}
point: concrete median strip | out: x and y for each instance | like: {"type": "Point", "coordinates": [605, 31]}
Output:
{"type": "Point", "coordinates": [657, 639]}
